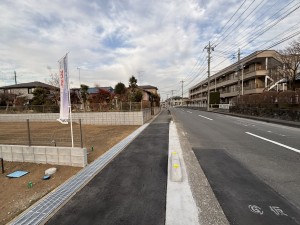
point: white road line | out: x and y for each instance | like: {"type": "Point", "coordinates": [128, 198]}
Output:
{"type": "Point", "coordinates": [189, 111]}
{"type": "Point", "coordinates": [282, 135]}
{"type": "Point", "coordinates": [205, 117]}
{"type": "Point", "coordinates": [275, 142]}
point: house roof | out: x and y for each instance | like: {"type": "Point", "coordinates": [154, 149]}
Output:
{"type": "Point", "coordinates": [147, 87]}
{"type": "Point", "coordinates": [29, 85]}
{"type": "Point", "coordinates": [95, 90]}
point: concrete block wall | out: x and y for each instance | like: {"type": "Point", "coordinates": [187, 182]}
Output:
{"type": "Point", "coordinates": [97, 118]}
{"type": "Point", "coordinates": [147, 113]}
{"type": "Point", "coordinates": [36, 117]}
{"type": "Point", "coordinates": [110, 118]}
{"type": "Point", "coordinates": [43, 154]}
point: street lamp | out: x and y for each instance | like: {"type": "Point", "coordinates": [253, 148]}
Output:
{"type": "Point", "coordinates": [79, 76]}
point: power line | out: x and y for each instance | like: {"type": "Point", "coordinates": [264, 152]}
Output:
{"type": "Point", "coordinates": [196, 71]}
{"type": "Point", "coordinates": [268, 26]}
{"type": "Point", "coordinates": [230, 19]}
{"type": "Point", "coordinates": [236, 20]}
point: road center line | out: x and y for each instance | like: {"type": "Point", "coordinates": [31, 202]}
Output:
{"type": "Point", "coordinates": [275, 142]}
{"type": "Point", "coordinates": [205, 117]}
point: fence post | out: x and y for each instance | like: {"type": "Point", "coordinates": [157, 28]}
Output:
{"type": "Point", "coordinates": [2, 165]}
{"type": "Point", "coordinates": [81, 142]}
{"type": "Point", "coordinates": [130, 107]}
{"type": "Point", "coordinates": [28, 132]}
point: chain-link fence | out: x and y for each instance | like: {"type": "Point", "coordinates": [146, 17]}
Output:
{"type": "Point", "coordinates": [109, 107]}
{"type": "Point", "coordinates": [41, 134]}
{"type": "Point", "coordinates": [29, 109]}
{"type": "Point", "coordinates": [91, 107]}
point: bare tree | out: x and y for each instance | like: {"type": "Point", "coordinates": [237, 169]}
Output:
{"type": "Point", "coordinates": [290, 58]}
{"type": "Point", "coordinates": [54, 81]}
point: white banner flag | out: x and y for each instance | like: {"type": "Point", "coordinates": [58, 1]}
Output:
{"type": "Point", "coordinates": [64, 90]}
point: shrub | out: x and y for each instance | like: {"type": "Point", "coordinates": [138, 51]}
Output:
{"type": "Point", "coordinates": [286, 97]}
{"type": "Point", "coordinates": [269, 97]}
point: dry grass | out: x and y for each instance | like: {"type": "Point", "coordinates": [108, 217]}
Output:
{"type": "Point", "coordinates": [15, 196]}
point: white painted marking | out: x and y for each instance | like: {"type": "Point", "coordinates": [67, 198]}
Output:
{"type": "Point", "coordinates": [282, 135]}
{"type": "Point", "coordinates": [189, 111]}
{"type": "Point", "coordinates": [205, 117]}
{"type": "Point", "coordinates": [278, 211]}
{"type": "Point", "coordinates": [256, 209]}
{"type": "Point", "coordinates": [275, 142]}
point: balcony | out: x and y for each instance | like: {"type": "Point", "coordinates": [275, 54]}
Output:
{"type": "Point", "coordinates": [254, 74]}
{"type": "Point", "coordinates": [253, 91]}
{"type": "Point", "coordinates": [229, 94]}
{"type": "Point", "coordinates": [227, 82]}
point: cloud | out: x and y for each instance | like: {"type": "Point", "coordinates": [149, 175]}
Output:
{"type": "Point", "coordinates": [112, 40]}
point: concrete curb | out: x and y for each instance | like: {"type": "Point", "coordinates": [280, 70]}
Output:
{"type": "Point", "coordinates": [181, 207]}
{"type": "Point", "coordinates": [175, 168]}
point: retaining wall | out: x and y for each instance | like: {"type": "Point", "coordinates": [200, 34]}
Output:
{"type": "Point", "coordinates": [42, 154]}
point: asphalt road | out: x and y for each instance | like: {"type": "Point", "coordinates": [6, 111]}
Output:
{"type": "Point", "coordinates": [253, 167]}
{"type": "Point", "coordinates": [129, 190]}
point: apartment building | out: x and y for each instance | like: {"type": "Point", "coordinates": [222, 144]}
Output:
{"type": "Point", "coordinates": [248, 76]}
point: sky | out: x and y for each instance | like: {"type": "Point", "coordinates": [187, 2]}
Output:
{"type": "Point", "coordinates": [160, 42]}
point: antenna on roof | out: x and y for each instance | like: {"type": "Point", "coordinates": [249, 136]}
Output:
{"type": "Point", "coordinates": [15, 77]}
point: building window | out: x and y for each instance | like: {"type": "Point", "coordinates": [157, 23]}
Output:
{"type": "Point", "coordinates": [30, 90]}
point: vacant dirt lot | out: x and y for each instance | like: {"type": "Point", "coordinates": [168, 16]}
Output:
{"type": "Point", "coordinates": [15, 195]}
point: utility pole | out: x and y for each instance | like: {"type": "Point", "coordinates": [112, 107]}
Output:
{"type": "Point", "coordinates": [182, 92]}
{"type": "Point", "coordinates": [172, 97]}
{"type": "Point", "coordinates": [15, 77]}
{"type": "Point", "coordinates": [168, 101]}
{"type": "Point", "coordinates": [238, 71]}
{"type": "Point", "coordinates": [209, 48]}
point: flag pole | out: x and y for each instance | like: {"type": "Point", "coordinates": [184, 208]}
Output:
{"type": "Point", "coordinates": [70, 109]}
{"type": "Point", "coordinates": [65, 96]}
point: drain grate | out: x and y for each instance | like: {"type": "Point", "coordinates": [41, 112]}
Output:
{"type": "Point", "coordinates": [39, 212]}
